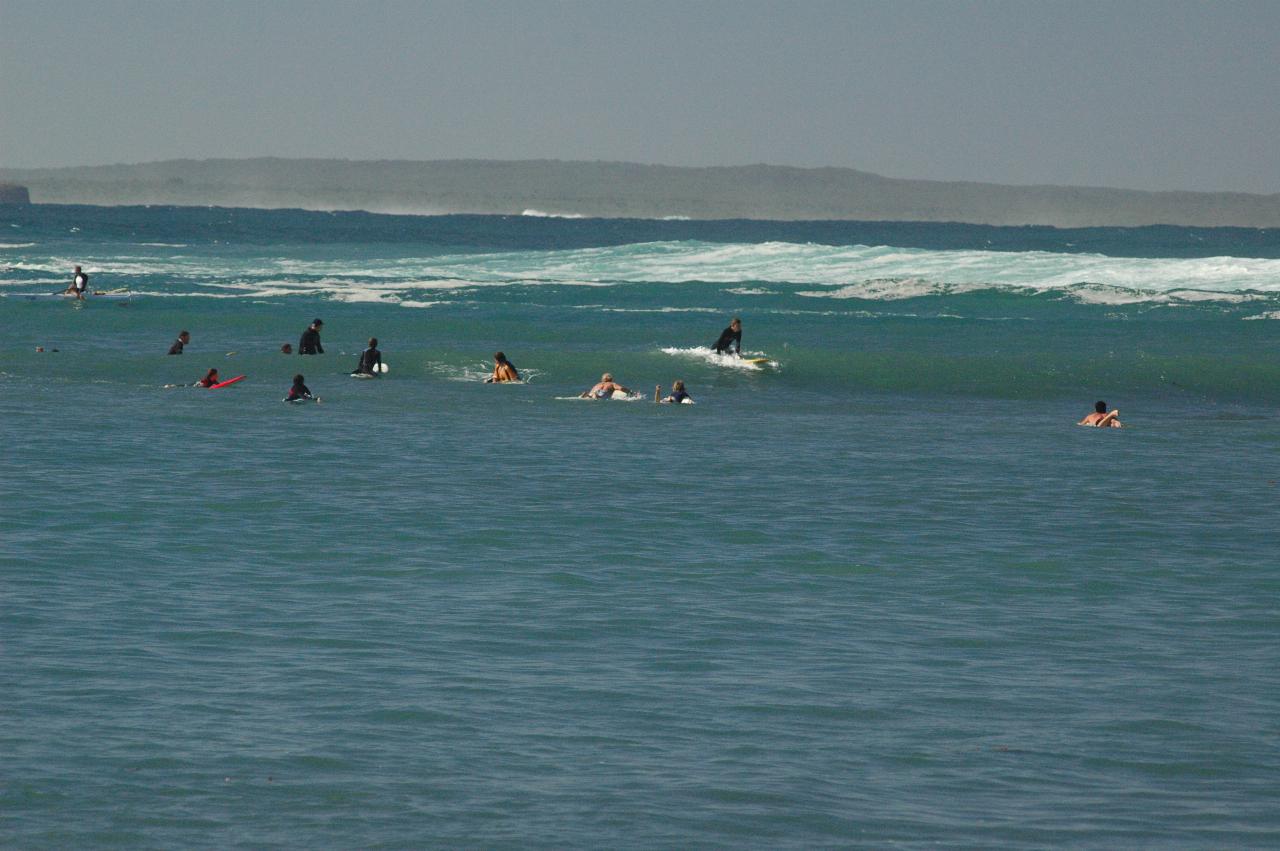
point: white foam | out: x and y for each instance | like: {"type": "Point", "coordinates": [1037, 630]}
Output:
{"type": "Point", "coordinates": [539, 214]}
{"type": "Point", "coordinates": [710, 356]}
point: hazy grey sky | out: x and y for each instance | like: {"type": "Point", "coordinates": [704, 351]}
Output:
{"type": "Point", "coordinates": [1151, 95]}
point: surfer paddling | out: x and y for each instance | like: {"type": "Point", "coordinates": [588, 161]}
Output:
{"type": "Point", "coordinates": [678, 395]}
{"type": "Point", "coordinates": [211, 378]}
{"type": "Point", "coordinates": [1101, 418]}
{"type": "Point", "coordinates": [605, 388]}
{"type": "Point", "coordinates": [299, 392]}
{"type": "Point", "coordinates": [730, 341]}
{"type": "Point", "coordinates": [503, 370]}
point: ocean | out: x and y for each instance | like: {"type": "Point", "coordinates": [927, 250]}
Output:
{"type": "Point", "coordinates": [880, 591]}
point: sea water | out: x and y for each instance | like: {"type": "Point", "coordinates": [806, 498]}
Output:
{"type": "Point", "coordinates": [880, 591]}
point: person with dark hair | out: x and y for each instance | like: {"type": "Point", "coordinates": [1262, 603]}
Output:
{"type": "Point", "coordinates": [503, 370]}
{"type": "Point", "coordinates": [210, 379]}
{"type": "Point", "coordinates": [183, 338]}
{"type": "Point", "coordinates": [79, 285]}
{"type": "Point", "coordinates": [310, 342]}
{"type": "Point", "coordinates": [299, 391]}
{"type": "Point", "coordinates": [1101, 418]}
{"type": "Point", "coordinates": [370, 360]}
{"type": "Point", "coordinates": [730, 339]}
{"type": "Point", "coordinates": [286, 349]}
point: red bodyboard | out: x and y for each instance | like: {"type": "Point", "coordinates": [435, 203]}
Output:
{"type": "Point", "coordinates": [227, 382]}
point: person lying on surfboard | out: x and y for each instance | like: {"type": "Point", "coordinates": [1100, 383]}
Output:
{"type": "Point", "coordinates": [730, 339]}
{"type": "Point", "coordinates": [503, 370]}
{"type": "Point", "coordinates": [370, 360]}
{"type": "Point", "coordinates": [677, 396]}
{"type": "Point", "coordinates": [298, 391]}
{"type": "Point", "coordinates": [211, 378]}
{"type": "Point", "coordinates": [1100, 418]}
{"type": "Point", "coordinates": [605, 388]}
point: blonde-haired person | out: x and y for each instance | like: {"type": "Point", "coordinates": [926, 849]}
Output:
{"type": "Point", "coordinates": [605, 388]}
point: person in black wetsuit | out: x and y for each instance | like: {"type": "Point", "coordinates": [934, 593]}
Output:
{"type": "Point", "coordinates": [310, 342]}
{"type": "Point", "coordinates": [79, 285]}
{"type": "Point", "coordinates": [730, 339]}
{"type": "Point", "coordinates": [299, 390]}
{"type": "Point", "coordinates": [183, 338]}
{"type": "Point", "coordinates": [370, 360]}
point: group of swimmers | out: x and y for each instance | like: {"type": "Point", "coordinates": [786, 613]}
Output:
{"type": "Point", "coordinates": [370, 365]}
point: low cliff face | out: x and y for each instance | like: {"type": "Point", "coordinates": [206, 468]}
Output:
{"type": "Point", "coordinates": [12, 193]}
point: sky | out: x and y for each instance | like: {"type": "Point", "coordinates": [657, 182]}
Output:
{"type": "Point", "coordinates": [1143, 95]}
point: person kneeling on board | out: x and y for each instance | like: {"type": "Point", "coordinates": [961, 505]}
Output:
{"type": "Point", "coordinates": [605, 388]}
{"type": "Point", "coordinates": [1100, 418]}
{"type": "Point", "coordinates": [299, 391]}
{"type": "Point", "coordinates": [677, 396]}
{"type": "Point", "coordinates": [211, 378]}
{"type": "Point", "coordinates": [730, 341]}
{"type": "Point", "coordinates": [503, 370]}
{"type": "Point", "coordinates": [370, 360]}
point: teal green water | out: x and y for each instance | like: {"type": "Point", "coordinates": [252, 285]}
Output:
{"type": "Point", "coordinates": [880, 593]}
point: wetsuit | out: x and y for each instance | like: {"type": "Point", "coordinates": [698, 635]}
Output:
{"type": "Point", "coordinates": [80, 283]}
{"type": "Point", "coordinates": [310, 343]}
{"type": "Point", "coordinates": [369, 360]}
{"type": "Point", "coordinates": [728, 338]}
{"type": "Point", "coordinates": [677, 397]}
{"type": "Point", "coordinates": [176, 348]}
{"type": "Point", "coordinates": [298, 391]}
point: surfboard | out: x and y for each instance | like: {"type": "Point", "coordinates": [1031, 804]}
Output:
{"type": "Point", "coordinates": [756, 361]}
{"type": "Point", "coordinates": [227, 383]}
{"type": "Point", "coordinates": [382, 368]}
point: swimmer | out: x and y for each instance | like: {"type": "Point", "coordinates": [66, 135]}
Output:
{"type": "Point", "coordinates": [211, 378]}
{"type": "Point", "coordinates": [286, 349]}
{"type": "Point", "coordinates": [605, 389]}
{"type": "Point", "coordinates": [730, 339]}
{"type": "Point", "coordinates": [298, 391]}
{"type": "Point", "coordinates": [1100, 418]}
{"type": "Point", "coordinates": [503, 370]}
{"type": "Point", "coordinates": [183, 338]}
{"type": "Point", "coordinates": [678, 394]}
{"type": "Point", "coordinates": [370, 360]}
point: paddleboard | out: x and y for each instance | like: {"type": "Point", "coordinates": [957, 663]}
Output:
{"type": "Point", "coordinates": [227, 383]}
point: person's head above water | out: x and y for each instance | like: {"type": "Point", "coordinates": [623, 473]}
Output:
{"type": "Point", "coordinates": [608, 376]}
{"type": "Point", "coordinates": [286, 349]}
{"type": "Point", "coordinates": [499, 357]}
{"type": "Point", "coordinates": [373, 342]}
{"type": "Point", "coordinates": [1100, 407]}
{"type": "Point", "coordinates": [213, 373]}
{"type": "Point", "coordinates": [297, 379]}
{"type": "Point", "coordinates": [677, 386]}
{"type": "Point", "coordinates": [184, 336]}
{"type": "Point", "coordinates": [77, 268]}
{"type": "Point", "coordinates": [736, 323]}
{"type": "Point", "coordinates": [316, 323]}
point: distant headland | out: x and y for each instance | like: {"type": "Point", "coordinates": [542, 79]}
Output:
{"type": "Point", "coordinates": [615, 189]}
{"type": "Point", "coordinates": [12, 193]}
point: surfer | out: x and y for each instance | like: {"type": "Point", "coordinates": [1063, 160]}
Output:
{"type": "Point", "coordinates": [310, 342]}
{"type": "Point", "coordinates": [1101, 418]}
{"type": "Point", "coordinates": [210, 379]}
{"type": "Point", "coordinates": [605, 388]}
{"type": "Point", "coordinates": [183, 339]}
{"type": "Point", "coordinates": [678, 395]}
{"type": "Point", "coordinates": [370, 360]}
{"type": "Point", "coordinates": [730, 339]}
{"type": "Point", "coordinates": [286, 349]}
{"type": "Point", "coordinates": [503, 370]}
{"type": "Point", "coordinates": [79, 285]}
{"type": "Point", "coordinates": [299, 391]}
